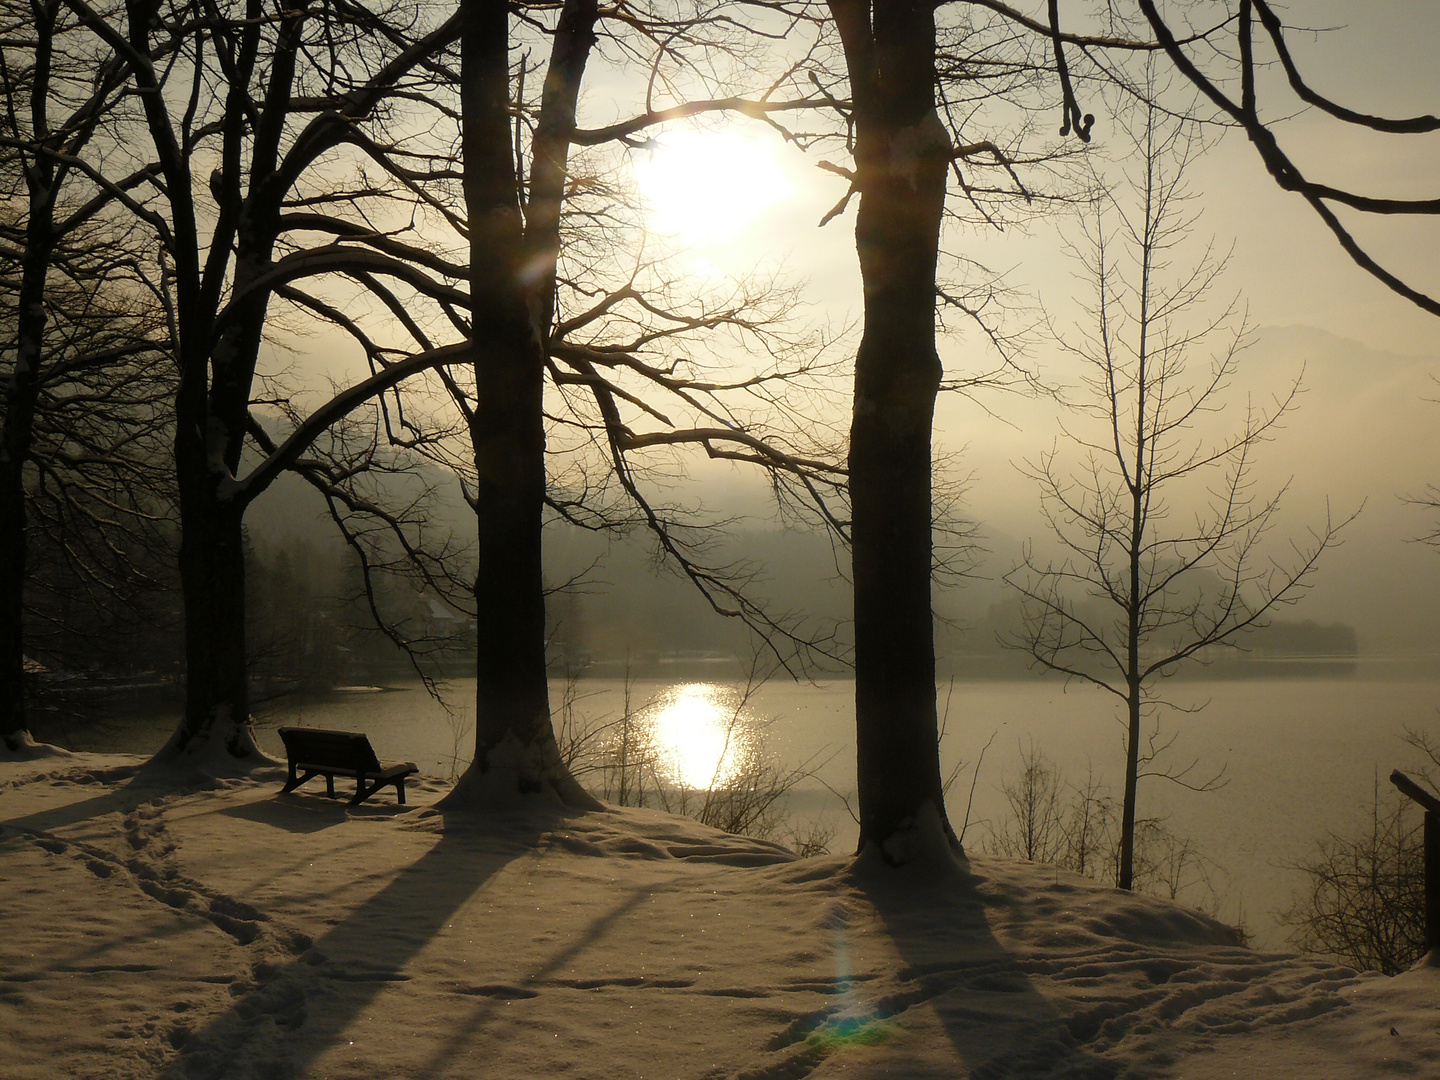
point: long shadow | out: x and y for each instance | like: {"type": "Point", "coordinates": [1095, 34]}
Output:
{"type": "Point", "coordinates": [479, 1024]}
{"type": "Point", "coordinates": [135, 792]}
{"type": "Point", "coordinates": [999, 1025]}
{"type": "Point", "coordinates": [327, 984]}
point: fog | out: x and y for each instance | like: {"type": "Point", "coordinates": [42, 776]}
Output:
{"type": "Point", "coordinates": [1362, 433]}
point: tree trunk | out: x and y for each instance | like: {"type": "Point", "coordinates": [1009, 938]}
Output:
{"type": "Point", "coordinates": [549, 170]}
{"type": "Point", "coordinates": [901, 157]}
{"type": "Point", "coordinates": [14, 726]}
{"type": "Point", "coordinates": [1126, 876]}
{"type": "Point", "coordinates": [515, 749]}
{"type": "Point", "coordinates": [211, 411]}
{"type": "Point", "coordinates": [212, 550]}
{"type": "Point", "coordinates": [216, 727]}
{"type": "Point", "coordinates": [20, 401]}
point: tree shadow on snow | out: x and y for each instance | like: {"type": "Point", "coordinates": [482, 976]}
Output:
{"type": "Point", "coordinates": [123, 798]}
{"type": "Point", "coordinates": [314, 996]}
{"type": "Point", "coordinates": [998, 1023]}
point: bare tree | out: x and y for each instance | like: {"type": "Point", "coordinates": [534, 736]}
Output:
{"type": "Point", "coordinates": [570, 360]}
{"type": "Point", "coordinates": [78, 403]}
{"type": "Point", "coordinates": [901, 153]}
{"type": "Point", "coordinates": [931, 92]}
{"type": "Point", "coordinates": [271, 99]}
{"type": "Point", "coordinates": [1130, 598]}
{"type": "Point", "coordinates": [1243, 63]}
{"type": "Point", "coordinates": [98, 491]}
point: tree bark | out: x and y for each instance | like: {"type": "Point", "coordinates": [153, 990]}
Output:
{"type": "Point", "coordinates": [23, 393]}
{"type": "Point", "coordinates": [549, 169]}
{"type": "Point", "coordinates": [515, 749]}
{"type": "Point", "coordinates": [1125, 879]}
{"type": "Point", "coordinates": [212, 575]}
{"type": "Point", "coordinates": [901, 158]}
{"type": "Point", "coordinates": [15, 440]}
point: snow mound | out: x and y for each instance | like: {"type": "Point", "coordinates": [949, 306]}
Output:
{"type": "Point", "coordinates": [516, 773]}
{"type": "Point", "coordinates": [224, 752]}
{"type": "Point", "coordinates": [230, 933]}
{"type": "Point", "coordinates": [22, 746]}
{"type": "Point", "coordinates": [650, 834]}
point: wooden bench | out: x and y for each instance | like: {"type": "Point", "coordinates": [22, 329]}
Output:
{"type": "Point", "coordinates": [322, 752]}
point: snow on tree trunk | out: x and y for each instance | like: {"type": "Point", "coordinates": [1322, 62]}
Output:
{"type": "Point", "coordinates": [215, 733]}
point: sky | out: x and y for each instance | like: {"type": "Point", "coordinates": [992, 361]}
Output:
{"type": "Point", "coordinates": [1363, 433]}
{"type": "Point", "coordinates": [732, 198]}
{"type": "Point", "coordinates": [740, 194]}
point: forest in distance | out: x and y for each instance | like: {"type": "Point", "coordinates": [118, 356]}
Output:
{"type": "Point", "coordinates": [308, 629]}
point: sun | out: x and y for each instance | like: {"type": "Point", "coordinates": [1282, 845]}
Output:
{"type": "Point", "coordinates": [710, 188]}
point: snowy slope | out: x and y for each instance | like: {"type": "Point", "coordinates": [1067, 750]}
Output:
{"type": "Point", "coordinates": [225, 932]}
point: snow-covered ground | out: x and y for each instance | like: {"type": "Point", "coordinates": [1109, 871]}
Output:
{"type": "Point", "coordinates": [222, 931]}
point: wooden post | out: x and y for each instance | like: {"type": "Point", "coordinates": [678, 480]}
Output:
{"type": "Point", "coordinates": [1431, 804]}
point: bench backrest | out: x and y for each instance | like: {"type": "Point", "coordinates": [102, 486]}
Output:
{"type": "Point", "coordinates": [338, 749]}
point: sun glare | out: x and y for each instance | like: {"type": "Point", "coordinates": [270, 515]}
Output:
{"type": "Point", "coordinates": [710, 187]}
{"type": "Point", "coordinates": [695, 737]}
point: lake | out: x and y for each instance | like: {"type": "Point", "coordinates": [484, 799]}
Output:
{"type": "Point", "coordinates": [1302, 757]}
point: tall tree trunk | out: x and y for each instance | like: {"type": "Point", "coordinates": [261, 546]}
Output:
{"type": "Point", "coordinates": [901, 157]}
{"type": "Point", "coordinates": [212, 550]}
{"type": "Point", "coordinates": [216, 724]}
{"type": "Point", "coordinates": [212, 411]}
{"type": "Point", "coordinates": [515, 749]}
{"type": "Point", "coordinates": [1134, 610]}
{"type": "Point", "coordinates": [21, 398]}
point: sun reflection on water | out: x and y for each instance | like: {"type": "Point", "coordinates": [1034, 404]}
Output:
{"type": "Point", "coordinates": [697, 732]}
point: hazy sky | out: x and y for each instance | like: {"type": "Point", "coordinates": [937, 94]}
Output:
{"type": "Point", "coordinates": [739, 198]}
{"type": "Point", "coordinates": [1364, 432]}
{"type": "Point", "coordinates": [743, 196]}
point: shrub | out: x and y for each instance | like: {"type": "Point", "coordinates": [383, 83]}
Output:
{"type": "Point", "coordinates": [1364, 902]}
{"type": "Point", "coordinates": [1076, 827]}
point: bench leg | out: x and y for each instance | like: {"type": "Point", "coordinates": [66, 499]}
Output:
{"type": "Point", "coordinates": [295, 782]}
{"type": "Point", "coordinates": [362, 792]}
{"type": "Point", "coordinates": [330, 785]}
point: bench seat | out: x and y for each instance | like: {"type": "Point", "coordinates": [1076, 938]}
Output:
{"type": "Point", "coordinates": [324, 752]}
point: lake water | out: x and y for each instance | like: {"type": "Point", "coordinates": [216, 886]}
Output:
{"type": "Point", "coordinates": [1302, 756]}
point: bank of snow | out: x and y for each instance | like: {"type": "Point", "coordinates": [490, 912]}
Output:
{"type": "Point", "coordinates": [228, 932]}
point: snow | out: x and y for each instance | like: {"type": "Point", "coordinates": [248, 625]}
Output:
{"type": "Point", "coordinates": [221, 930]}
{"type": "Point", "coordinates": [21, 746]}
